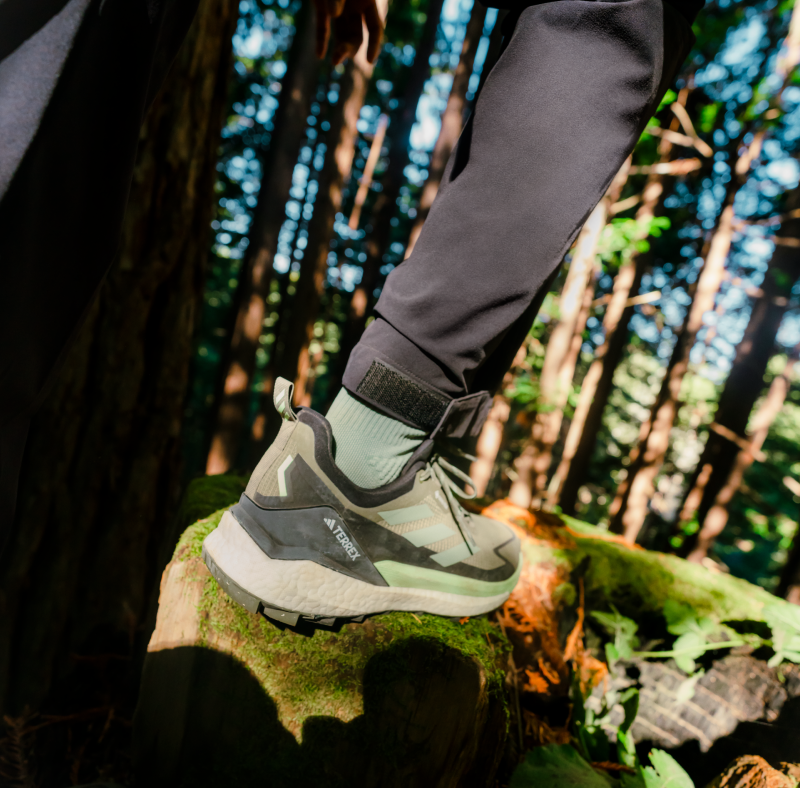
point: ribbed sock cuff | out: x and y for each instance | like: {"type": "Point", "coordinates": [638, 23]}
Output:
{"type": "Point", "coordinates": [370, 448]}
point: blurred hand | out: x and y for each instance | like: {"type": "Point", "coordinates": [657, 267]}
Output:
{"type": "Point", "coordinates": [346, 17]}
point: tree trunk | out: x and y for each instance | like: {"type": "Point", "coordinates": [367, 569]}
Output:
{"type": "Point", "coordinates": [379, 237]}
{"type": "Point", "coordinates": [745, 382]}
{"type": "Point", "coordinates": [452, 120]}
{"type": "Point", "coordinates": [717, 515]}
{"type": "Point", "coordinates": [294, 363]}
{"type": "Point", "coordinates": [533, 465]}
{"type": "Point", "coordinates": [236, 371]}
{"type": "Point", "coordinates": [630, 506]}
{"type": "Point", "coordinates": [264, 428]}
{"type": "Point", "coordinates": [102, 473]}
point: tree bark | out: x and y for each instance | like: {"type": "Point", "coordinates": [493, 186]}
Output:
{"type": "Point", "coordinates": [745, 382]}
{"type": "Point", "coordinates": [385, 208]}
{"type": "Point", "coordinates": [452, 120]}
{"type": "Point", "coordinates": [102, 474]}
{"type": "Point", "coordinates": [717, 515]}
{"type": "Point", "coordinates": [294, 362]}
{"type": "Point", "coordinates": [533, 465]}
{"type": "Point", "coordinates": [239, 362]}
{"type": "Point", "coordinates": [630, 506]}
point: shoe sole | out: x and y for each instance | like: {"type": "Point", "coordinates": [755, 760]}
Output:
{"type": "Point", "coordinates": [287, 590]}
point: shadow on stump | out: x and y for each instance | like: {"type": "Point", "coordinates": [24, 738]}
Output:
{"type": "Point", "coordinates": [204, 720]}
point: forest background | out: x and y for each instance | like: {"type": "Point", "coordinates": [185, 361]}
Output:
{"type": "Point", "coordinates": [658, 393]}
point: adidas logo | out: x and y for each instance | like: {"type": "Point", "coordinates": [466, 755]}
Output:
{"type": "Point", "coordinates": [342, 538]}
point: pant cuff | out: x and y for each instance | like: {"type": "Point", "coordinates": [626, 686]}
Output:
{"type": "Point", "coordinates": [379, 381]}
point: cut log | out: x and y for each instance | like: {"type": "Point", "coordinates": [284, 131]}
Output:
{"type": "Point", "coordinates": [229, 698]}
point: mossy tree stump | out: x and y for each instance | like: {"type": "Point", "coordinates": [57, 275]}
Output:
{"type": "Point", "coordinates": [228, 698]}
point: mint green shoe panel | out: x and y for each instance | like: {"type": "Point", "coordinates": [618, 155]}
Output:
{"type": "Point", "coordinates": [403, 575]}
{"type": "Point", "coordinates": [453, 555]}
{"type": "Point", "coordinates": [427, 536]}
{"type": "Point", "coordinates": [407, 514]}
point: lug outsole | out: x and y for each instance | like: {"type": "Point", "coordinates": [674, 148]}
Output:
{"type": "Point", "coordinates": [289, 618]}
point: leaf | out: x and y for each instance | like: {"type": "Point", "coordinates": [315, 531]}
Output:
{"type": "Point", "coordinates": [665, 772]}
{"type": "Point", "coordinates": [626, 749]}
{"type": "Point", "coordinates": [557, 766]}
{"type": "Point", "coordinates": [687, 648]}
{"type": "Point", "coordinates": [687, 688]}
{"type": "Point", "coordinates": [629, 700]}
{"type": "Point", "coordinates": [623, 629]}
{"type": "Point", "coordinates": [784, 622]}
{"type": "Point", "coordinates": [681, 618]}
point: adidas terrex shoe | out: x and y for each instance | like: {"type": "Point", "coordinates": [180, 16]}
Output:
{"type": "Point", "coordinates": [304, 541]}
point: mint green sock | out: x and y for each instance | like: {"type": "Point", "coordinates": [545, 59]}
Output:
{"type": "Point", "coordinates": [370, 447]}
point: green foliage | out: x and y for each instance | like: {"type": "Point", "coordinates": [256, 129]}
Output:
{"type": "Point", "coordinates": [623, 631]}
{"type": "Point", "coordinates": [784, 621]}
{"type": "Point", "coordinates": [665, 772]}
{"type": "Point", "coordinates": [621, 238]}
{"type": "Point", "coordinates": [561, 766]}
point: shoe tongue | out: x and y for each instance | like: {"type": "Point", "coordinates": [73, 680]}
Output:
{"type": "Point", "coordinates": [419, 458]}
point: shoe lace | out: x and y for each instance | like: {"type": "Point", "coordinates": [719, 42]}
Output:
{"type": "Point", "coordinates": [444, 472]}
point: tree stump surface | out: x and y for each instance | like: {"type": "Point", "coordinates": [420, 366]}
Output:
{"type": "Point", "coordinates": [230, 698]}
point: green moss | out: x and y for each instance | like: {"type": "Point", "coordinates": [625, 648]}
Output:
{"type": "Point", "coordinates": [642, 580]}
{"type": "Point", "coordinates": [324, 674]}
{"type": "Point", "coordinates": [208, 494]}
{"type": "Point", "coordinates": [190, 545]}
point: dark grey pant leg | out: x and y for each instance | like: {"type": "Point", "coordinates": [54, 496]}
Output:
{"type": "Point", "coordinates": [559, 113]}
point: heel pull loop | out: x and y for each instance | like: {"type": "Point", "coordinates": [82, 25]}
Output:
{"type": "Point", "coordinates": [282, 399]}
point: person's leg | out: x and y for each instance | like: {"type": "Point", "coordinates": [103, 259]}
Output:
{"type": "Point", "coordinates": [558, 115]}
{"type": "Point", "coordinates": [72, 98]}
{"type": "Point", "coordinates": [357, 514]}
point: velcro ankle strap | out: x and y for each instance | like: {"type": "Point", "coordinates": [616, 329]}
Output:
{"type": "Point", "coordinates": [414, 402]}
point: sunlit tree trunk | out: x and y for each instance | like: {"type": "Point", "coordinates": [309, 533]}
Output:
{"type": "Point", "coordinates": [233, 402]}
{"type": "Point", "coordinates": [555, 381]}
{"type": "Point", "coordinates": [492, 434]}
{"type": "Point", "coordinates": [630, 506]}
{"type": "Point", "coordinates": [101, 480]}
{"type": "Point", "coordinates": [717, 516]}
{"type": "Point", "coordinates": [452, 120]}
{"type": "Point", "coordinates": [745, 382]}
{"type": "Point", "coordinates": [294, 363]}
{"type": "Point", "coordinates": [379, 229]}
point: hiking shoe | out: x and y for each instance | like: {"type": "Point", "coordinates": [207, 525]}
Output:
{"type": "Point", "coordinates": [305, 542]}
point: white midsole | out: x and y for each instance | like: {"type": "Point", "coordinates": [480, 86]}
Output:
{"type": "Point", "coordinates": [311, 589]}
